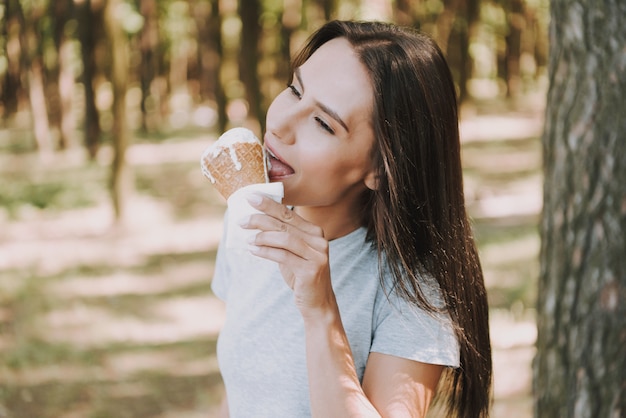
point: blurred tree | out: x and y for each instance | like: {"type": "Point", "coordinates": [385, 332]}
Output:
{"type": "Point", "coordinates": [118, 50]}
{"type": "Point", "coordinates": [579, 370]}
{"type": "Point", "coordinates": [149, 38]}
{"type": "Point", "coordinates": [250, 14]}
{"type": "Point", "coordinates": [458, 41]}
{"type": "Point", "coordinates": [31, 48]}
{"type": "Point", "coordinates": [215, 28]}
{"type": "Point", "coordinates": [404, 14]}
{"type": "Point", "coordinates": [452, 23]}
{"type": "Point", "coordinates": [60, 80]}
{"type": "Point", "coordinates": [329, 7]}
{"type": "Point", "coordinates": [90, 29]}
{"type": "Point", "coordinates": [12, 88]}
{"type": "Point", "coordinates": [516, 22]}
{"type": "Point", "coordinates": [209, 28]}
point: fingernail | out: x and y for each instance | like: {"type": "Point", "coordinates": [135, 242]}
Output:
{"type": "Point", "coordinates": [255, 199]}
{"type": "Point", "coordinates": [252, 239]}
{"type": "Point", "coordinates": [243, 222]}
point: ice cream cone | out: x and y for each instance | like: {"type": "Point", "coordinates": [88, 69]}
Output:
{"type": "Point", "coordinates": [235, 160]}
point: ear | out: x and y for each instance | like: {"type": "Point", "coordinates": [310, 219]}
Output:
{"type": "Point", "coordinates": [371, 180]}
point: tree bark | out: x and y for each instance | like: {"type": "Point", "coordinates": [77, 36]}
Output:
{"type": "Point", "coordinates": [579, 370]}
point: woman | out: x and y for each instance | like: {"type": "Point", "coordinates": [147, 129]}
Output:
{"type": "Point", "coordinates": [364, 296]}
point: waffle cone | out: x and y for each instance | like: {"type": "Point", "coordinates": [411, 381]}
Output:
{"type": "Point", "coordinates": [234, 165]}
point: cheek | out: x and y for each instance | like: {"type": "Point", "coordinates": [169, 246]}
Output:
{"type": "Point", "coordinates": [334, 166]}
{"type": "Point", "coordinates": [278, 104]}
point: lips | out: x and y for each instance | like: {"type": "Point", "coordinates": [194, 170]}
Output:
{"type": "Point", "coordinates": [276, 168]}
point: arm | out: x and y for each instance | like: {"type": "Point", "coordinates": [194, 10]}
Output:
{"type": "Point", "coordinates": [391, 386]}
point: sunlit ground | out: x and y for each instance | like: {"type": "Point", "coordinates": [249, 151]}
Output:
{"type": "Point", "coordinates": [102, 321]}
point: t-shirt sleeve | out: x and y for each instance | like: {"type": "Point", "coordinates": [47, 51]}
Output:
{"type": "Point", "coordinates": [404, 330]}
{"type": "Point", "coordinates": [221, 276]}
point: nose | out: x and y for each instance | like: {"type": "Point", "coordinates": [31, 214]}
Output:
{"type": "Point", "coordinates": [282, 120]}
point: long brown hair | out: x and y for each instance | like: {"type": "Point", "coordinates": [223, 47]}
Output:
{"type": "Point", "coordinates": [417, 215]}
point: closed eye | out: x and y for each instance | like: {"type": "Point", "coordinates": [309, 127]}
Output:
{"type": "Point", "coordinates": [294, 91]}
{"type": "Point", "coordinates": [324, 125]}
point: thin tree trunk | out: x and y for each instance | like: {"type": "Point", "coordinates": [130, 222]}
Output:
{"type": "Point", "coordinates": [250, 13]}
{"type": "Point", "coordinates": [208, 25]}
{"type": "Point", "coordinates": [11, 87]}
{"type": "Point", "coordinates": [38, 108]}
{"type": "Point", "coordinates": [579, 370]}
{"type": "Point", "coordinates": [516, 22]}
{"type": "Point", "coordinates": [61, 83]}
{"type": "Point", "coordinates": [89, 24]}
{"type": "Point", "coordinates": [118, 45]}
{"type": "Point", "coordinates": [445, 23]}
{"type": "Point", "coordinates": [66, 89]}
{"type": "Point", "coordinates": [215, 28]}
{"type": "Point", "coordinates": [148, 69]}
{"type": "Point", "coordinates": [291, 19]}
{"type": "Point", "coordinates": [32, 62]}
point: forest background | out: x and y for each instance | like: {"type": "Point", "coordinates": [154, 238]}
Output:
{"type": "Point", "coordinates": [108, 230]}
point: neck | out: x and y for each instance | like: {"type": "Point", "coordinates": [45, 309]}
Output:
{"type": "Point", "coordinates": [335, 225]}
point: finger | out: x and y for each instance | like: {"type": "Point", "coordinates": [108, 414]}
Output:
{"type": "Point", "coordinates": [283, 214]}
{"type": "Point", "coordinates": [303, 262]}
{"type": "Point", "coordinates": [283, 235]}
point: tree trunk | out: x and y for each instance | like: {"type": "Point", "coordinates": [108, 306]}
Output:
{"type": "Point", "coordinates": [66, 90]}
{"type": "Point", "coordinates": [38, 108]}
{"type": "Point", "coordinates": [60, 86]}
{"type": "Point", "coordinates": [579, 370]}
{"type": "Point", "coordinates": [445, 23]}
{"type": "Point", "coordinates": [250, 12]}
{"type": "Point", "coordinates": [210, 54]}
{"type": "Point", "coordinates": [329, 7]}
{"type": "Point", "coordinates": [89, 23]}
{"type": "Point", "coordinates": [118, 45]}
{"type": "Point", "coordinates": [291, 19]}
{"type": "Point", "coordinates": [148, 69]}
{"type": "Point", "coordinates": [32, 62]}
{"type": "Point", "coordinates": [516, 21]}
{"type": "Point", "coordinates": [11, 85]}
{"type": "Point", "coordinates": [215, 27]}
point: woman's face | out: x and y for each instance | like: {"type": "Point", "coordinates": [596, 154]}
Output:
{"type": "Point", "coordinates": [319, 134]}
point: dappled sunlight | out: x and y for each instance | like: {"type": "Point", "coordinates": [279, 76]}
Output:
{"type": "Point", "coordinates": [513, 349]}
{"type": "Point", "coordinates": [129, 283]}
{"type": "Point", "coordinates": [88, 236]}
{"type": "Point", "coordinates": [159, 322]}
{"type": "Point", "coordinates": [126, 309]}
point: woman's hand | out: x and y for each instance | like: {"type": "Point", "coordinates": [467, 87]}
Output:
{"type": "Point", "coordinates": [299, 248]}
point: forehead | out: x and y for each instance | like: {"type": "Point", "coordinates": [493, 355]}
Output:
{"type": "Point", "coordinates": [335, 77]}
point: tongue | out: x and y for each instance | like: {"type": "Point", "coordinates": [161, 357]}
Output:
{"type": "Point", "coordinates": [278, 168]}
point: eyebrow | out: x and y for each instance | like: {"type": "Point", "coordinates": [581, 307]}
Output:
{"type": "Point", "coordinates": [322, 106]}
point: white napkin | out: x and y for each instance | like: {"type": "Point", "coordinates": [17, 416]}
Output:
{"type": "Point", "coordinates": [239, 208]}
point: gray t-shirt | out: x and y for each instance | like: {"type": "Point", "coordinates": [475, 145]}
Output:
{"type": "Point", "coordinates": [261, 348]}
